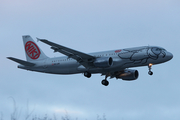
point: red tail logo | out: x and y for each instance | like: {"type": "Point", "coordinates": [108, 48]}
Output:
{"type": "Point", "coordinates": [32, 50]}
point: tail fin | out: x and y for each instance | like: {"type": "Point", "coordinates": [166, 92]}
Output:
{"type": "Point", "coordinates": [32, 51]}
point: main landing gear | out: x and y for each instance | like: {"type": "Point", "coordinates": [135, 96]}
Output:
{"type": "Point", "coordinates": [105, 82]}
{"type": "Point", "coordinates": [87, 74]}
{"type": "Point", "coordinates": [150, 72]}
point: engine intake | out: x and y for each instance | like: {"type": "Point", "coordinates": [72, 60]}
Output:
{"type": "Point", "coordinates": [103, 62]}
{"type": "Point", "coordinates": [129, 75]}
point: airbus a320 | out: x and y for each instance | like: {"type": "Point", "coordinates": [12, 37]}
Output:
{"type": "Point", "coordinates": [113, 64]}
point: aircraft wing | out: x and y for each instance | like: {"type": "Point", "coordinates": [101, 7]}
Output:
{"type": "Point", "coordinates": [83, 58]}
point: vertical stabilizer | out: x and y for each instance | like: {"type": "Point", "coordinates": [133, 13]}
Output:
{"type": "Point", "coordinates": [32, 51]}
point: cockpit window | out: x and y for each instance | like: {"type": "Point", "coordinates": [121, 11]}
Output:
{"type": "Point", "coordinates": [156, 51]}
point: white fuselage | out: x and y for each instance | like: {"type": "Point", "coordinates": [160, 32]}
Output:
{"type": "Point", "coordinates": [124, 58]}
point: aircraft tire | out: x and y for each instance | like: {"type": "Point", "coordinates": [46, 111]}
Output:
{"type": "Point", "coordinates": [87, 74]}
{"type": "Point", "coordinates": [150, 73]}
{"type": "Point", "coordinates": [105, 82]}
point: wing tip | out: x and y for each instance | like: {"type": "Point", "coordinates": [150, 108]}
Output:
{"type": "Point", "coordinates": [38, 39]}
{"type": "Point", "coordinates": [9, 57]}
{"type": "Point", "coordinates": [42, 40]}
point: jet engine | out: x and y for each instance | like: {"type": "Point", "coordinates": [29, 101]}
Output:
{"type": "Point", "coordinates": [103, 62]}
{"type": "Point", "coordinates": [128, 75]}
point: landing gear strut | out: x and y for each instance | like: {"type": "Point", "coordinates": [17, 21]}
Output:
{"type": "Point", "coordinates": [105, 82]}
{"type": "Point", "coordinates": [87, 74]}
{"type": "Point", "coordinates": [150, 72]}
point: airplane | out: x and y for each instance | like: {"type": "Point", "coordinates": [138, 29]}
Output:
{"type": "Point", "coordinates": [113, 64]}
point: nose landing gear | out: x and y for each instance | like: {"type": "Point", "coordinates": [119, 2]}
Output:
{"type": "Point", "coordinates": [149, 66]}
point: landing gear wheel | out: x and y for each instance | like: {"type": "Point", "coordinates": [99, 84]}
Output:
{"type": "Point", "coordinates": [87, 74]}
{"type": "Point", "coordinates": [105, 82]}
{"type": "Point", "coordinates": [150, 73]}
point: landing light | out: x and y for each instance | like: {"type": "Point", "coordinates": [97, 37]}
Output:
{"type": "Point", "coordinates": [150, 64]}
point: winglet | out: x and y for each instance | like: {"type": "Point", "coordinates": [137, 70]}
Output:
{"type": "Point", "coordinates": [38, 39]}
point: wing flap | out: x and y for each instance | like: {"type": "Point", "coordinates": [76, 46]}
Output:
{"type": "Point", "coordinates": [22, 62]}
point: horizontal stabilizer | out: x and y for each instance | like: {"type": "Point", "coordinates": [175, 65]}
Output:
{"type": "Point", "coordinates": [22, 62]}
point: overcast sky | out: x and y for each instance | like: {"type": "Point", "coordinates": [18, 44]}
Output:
{"type": "Point", "coordinates": [90, 26]}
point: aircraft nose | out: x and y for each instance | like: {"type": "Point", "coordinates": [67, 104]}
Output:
{"type": "Point", "coordinates": [169, 55]}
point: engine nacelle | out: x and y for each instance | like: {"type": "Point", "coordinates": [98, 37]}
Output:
{"type": "Point", "coordinates": [103, 62]}
{"type": "Point", "coordinates": [129, 75]}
